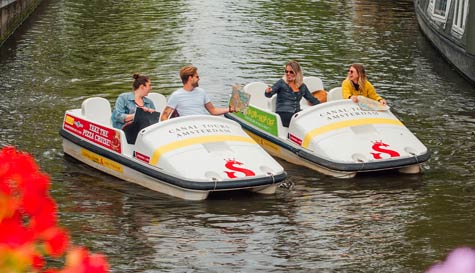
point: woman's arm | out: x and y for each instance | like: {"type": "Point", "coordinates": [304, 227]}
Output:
{"type": "Point", "coordinates": [307, 95]}
{"type": "Point", "coordinates": [372, 92]}
{"type": "Point", "coordinates": [270, 91]}
{"type": "Point", "coordinates": [120, 113]}
{"type": "Point", "coordinates": [346, 89]}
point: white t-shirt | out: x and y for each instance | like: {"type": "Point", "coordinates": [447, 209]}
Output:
{"type": "Point", "coordinates": [189, 102]}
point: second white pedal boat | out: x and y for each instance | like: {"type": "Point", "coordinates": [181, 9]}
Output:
{"type": "Point", "coordinates": [336, 138]}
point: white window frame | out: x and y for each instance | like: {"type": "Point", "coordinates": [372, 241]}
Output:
{"type": "Point", "coordinates": [460, 16]}
{"type": "Point", "coordinates": [435, 16]}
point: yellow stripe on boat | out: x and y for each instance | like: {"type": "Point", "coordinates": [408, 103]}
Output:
{"type": "Point", "coordinates": [344, 124]}
{"type": "Point", "coordinates": [112, 165]}
{"type": "Point", "coordinates": [193, 141]}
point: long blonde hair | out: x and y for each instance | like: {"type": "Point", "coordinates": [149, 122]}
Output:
{"type": "Point", "coordinates": [295, 66]}
{"type": "Point", "coordinates": [361, 73]}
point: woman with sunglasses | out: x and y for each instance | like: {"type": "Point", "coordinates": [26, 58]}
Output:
{"type": "Point", "coordinates": [290, 90]}
{"type": "Point", "coordinates": [357, 84]}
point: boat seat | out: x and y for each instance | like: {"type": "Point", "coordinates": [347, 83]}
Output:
{"type": "Point", "coordinates": [335, 94]}
{"type": "Point", "coordinates": [98, 110]}
{"type": "Point", "coordinates": [281, 130]}
{"type": "Point", "coordinates": [127, 150]}
{"type": "Point", "coordinates": [159, 100]}
{"type": "Point", "coordinates": [257, 90]}
{"type": "Point", "coordinates": [313, 84]}
{"type": "Point", "coordinates": [273, 103]}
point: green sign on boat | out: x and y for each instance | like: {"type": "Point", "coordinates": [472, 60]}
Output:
{"type": "Point", "coordinates": [260, 119]}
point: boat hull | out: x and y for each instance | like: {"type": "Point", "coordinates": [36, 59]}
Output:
{"type": "Point", "coordinates": [275, 148]}
{"type": "Point", "coordinates": [129, 174]}
{"type": "Point", "coordinates": [337, 139]}
{"type": "Point", "coordinates": [454, 48]}
{"type": "Point", "coordinates": [187, 157]}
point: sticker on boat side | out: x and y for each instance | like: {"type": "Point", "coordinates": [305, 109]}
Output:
{"type": "Point", "coordinates": [261, 119]}
{"type": "Point", "coordinates": [101, 135]}
{"type": "Point", "coordinates": [295, 139]}
{"type": "Point", "coordinates": [102, 161]}
{"type": "Point", "coordinates": [142, 157]}
{"type": "Point", "coordinates": [274, 148]}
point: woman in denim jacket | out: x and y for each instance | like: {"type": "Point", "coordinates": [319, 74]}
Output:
{"type": "Point", "coordinates": [290, 90]}
{"type": "Point", "coordinates": [127, 103]}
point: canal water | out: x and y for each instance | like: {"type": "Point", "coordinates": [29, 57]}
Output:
{"type": "Point", "coordinates": [70, 50]}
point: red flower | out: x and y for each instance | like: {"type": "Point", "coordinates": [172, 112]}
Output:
{"type": "Point", "coordinates": [44, 217]}
{"type": "Point", "coordinates": [28, 222]}
{"type": "Point", "coordinates": [13, 233]}
{"type": "Point", "coordinates": [79, 260]}
{"type": "Point", "coordinates": [38, 261]}
{"type": "Point", "coordinates": [56, 241]}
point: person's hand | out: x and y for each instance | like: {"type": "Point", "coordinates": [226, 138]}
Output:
{"type": "Point", "coordinates": [354, 99]}
{"type": "Point", "coordinates": [383, 102]}
{"type": "Point", "coordinates": [268, 89]}
{"type": "Point", "coordinates": [129, 118]}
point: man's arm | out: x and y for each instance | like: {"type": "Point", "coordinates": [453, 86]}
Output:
{"type": "Point", "coordinates": [216, 111]}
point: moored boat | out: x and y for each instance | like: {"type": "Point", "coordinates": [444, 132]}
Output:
{"type": "Point", "coordinates": [450, 26]}
{"type": "Point", "coordinates": [186, 157]}
{"type": "Point", "coordinates": [337, 138]}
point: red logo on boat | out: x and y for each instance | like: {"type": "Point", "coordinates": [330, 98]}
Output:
{"type": "Point", "coordinates": [230, 164]}
{"type": "Point", "coordinates": [379, 146]}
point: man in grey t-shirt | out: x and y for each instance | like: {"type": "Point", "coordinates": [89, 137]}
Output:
{"type": "Point", "coordinates": [191, 99]}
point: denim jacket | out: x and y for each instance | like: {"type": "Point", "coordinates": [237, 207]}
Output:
{"type": "Point", "coordinates": [125, 105]}
{"type": "Point", "coordinates": [288, 100]}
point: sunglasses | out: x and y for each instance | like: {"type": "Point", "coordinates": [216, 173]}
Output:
{"type": "Point", "coordinates": [289, 71]}
{"type": "Point", "coordinates": [351, 71]}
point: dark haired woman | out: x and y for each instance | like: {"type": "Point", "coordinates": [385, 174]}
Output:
{"type": "Point", "coordinates": [357, 84]}
{"type": "Point", "coordinates": [127, 103]}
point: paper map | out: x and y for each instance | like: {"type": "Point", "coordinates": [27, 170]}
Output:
{"type": "Point", "coordinates": [239, 99]}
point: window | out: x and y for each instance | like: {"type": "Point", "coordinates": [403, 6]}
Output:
{"type": "Point", "coordinates": [460, 15]}
{"type": "Point", "coordinates": [439, 9]}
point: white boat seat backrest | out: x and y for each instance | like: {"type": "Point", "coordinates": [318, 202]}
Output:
{"type": "Point", "coordinates": [273, 103]}
{"type": "Point", "coordinates": [159, 100]}
{"type": "Point", "coordinates": [257, 90]}
{"type": "Point", "coordinates": [335, 94]}
{"type": "Point", "coordinates": [98, 110]}
{"type": "Point", "coordinates": [313, 83]}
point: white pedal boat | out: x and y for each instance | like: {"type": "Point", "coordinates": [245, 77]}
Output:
{"type": "Point", "coordinates": [336, 138]}
{"type": "Point", "coordinates": [186, 157]}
